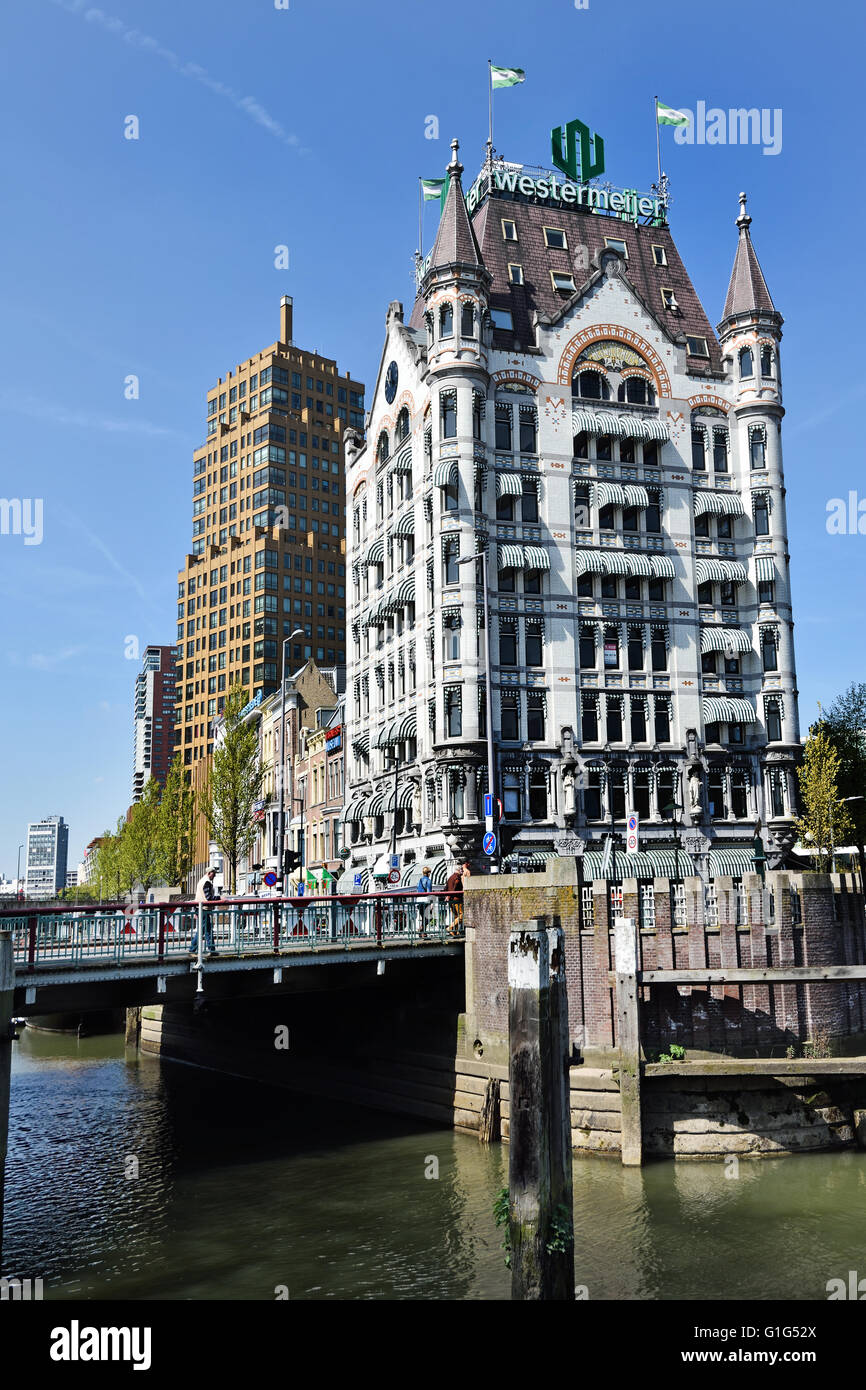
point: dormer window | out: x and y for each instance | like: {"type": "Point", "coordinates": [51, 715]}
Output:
{"type": "Point", "coordinates": [555, 238]}
{"type": "Point", "coordinates": [617, 244]}
{"type": "Point", "coordinates": [502, 320]}
{"type": "Point", "coordinates": [509, 230]}
{"type": "Point", "coordinates": [659, 255]}
{"type": "Point", "coordinates": [562, 281]}
{"type": "Point", "coordinates": [669, 300]}
{"type": "Point", "coordinates": [747, 366]}
{"type": "Point", "coordinates": [515, 274]}
{"type": "Point", "coordinates": [697, 347]}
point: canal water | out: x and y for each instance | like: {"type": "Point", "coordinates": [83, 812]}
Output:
{"type": "Point", "coordinates": [128, 1177]}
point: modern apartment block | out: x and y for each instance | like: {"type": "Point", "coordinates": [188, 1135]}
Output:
{"type": "Point", "coordinates": [267, 553]}
{"type": "Point", "coordinates": [46, 853]}
{"type": "Point", "coordinates": [154, 718]}
{"type": "Point", "coordinates": [558, 400]}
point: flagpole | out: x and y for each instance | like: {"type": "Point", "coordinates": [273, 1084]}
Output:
{"type": "Point", "coordinates": [420, 218]}
{"type": "Point", "coordinates": [658, 141]}
{"type": "Point", "coordinates": [490, 123]}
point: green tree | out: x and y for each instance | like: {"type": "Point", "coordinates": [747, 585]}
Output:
{"type": "Point", "coordinates": [176, 825]}
{"type": "Point", "coordinates": [845, 722]}
{"type": "Point", "coordinates": [140, 857]}
{"type": "Point", "coordinates": [825, 821]}
{"type": "Point", "coordinates": [108, 871]}
{"type": "Point", "coordinates": [234, 785]}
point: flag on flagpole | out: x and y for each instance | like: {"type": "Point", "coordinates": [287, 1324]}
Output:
{"type": "Point", "coordinates": [432, 188]}
{"type": "Point", "coordinates": [506, 77]}
{"type": "Point", "coordinates": [668, 115]}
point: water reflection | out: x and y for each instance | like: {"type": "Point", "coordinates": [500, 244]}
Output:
{"type": "Point", "coordinates": [243, 1188]}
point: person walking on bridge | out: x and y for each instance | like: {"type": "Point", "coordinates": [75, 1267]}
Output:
{"type": "Point", "coordinates": [454, 886]}
{"type": "Point", "coordinates": [205, 893]}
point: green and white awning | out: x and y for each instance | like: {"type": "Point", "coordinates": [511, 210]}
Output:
{"type": "Point", "coordinates": [620, 495]}
{"type": "Point", "coordinates": [375, 553]}
{"type": "Point", "coordinates": [727, 709]}
{"type": "Point", "coordinates": [376, 615]}
{"type": "Point", "coordinates": [405, 592]}
{"type": "Point", "coordinates": [441, 870]}
{"type": "Point", "coordinates": [733, 861]}
{"type": "Point", "coordinates": [403, 461]}
{"type": "Point", "coordinates": [621, 426]}
{"type": "Point", "coordinates": [649, 864]}
{"type": "Point", "coordinates": [725, 639]}
{"type": "Point", "coordinates": [509, 557]}
{"type": "Point", "coordinates": [718, 503]}
{"type": "Point", "coordinates": [765, 568]}
{"type": "Point", "coordinates": [535, 557]}
{"type": "Point", "coordinates": [629, 562]}
{"type": "Point", "coordinates": [720, 571]}
{"type": "Point", "coordinates": [533, 858]}
{"type": "Point", "coordinates": [446, 473]}
{"type": "Point", "coordinates": [355, 809]}
{"type": "Point", "coordinates": [509, 485]}
{"type": "Point", "coordinates": [346, 882]}
{"type": "Point", "coordinates": [376, 803]}
{"type": "Point", "coordinates": [405, 797]}
{"type": "Point", "coordinates": [361, 742]}
{"type": "Point", "coordinates": [404, 525]}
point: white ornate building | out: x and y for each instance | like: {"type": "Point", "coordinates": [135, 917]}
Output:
{"type": "Point", "coordinates": [558, 399]}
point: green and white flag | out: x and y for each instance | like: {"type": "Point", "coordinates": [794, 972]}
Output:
{"type": "Point", "coordinates": [506, 77]}
{"type": "Point", "coordinates": [667, 115]}
{"type": "Point", "coordinates": [432, 188]}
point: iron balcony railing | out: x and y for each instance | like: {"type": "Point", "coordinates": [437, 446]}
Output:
{"type": "Point", "coordinates": [239, 927]}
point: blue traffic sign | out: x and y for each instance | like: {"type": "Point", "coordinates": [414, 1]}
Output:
{"type": "Point", "coordinates": [357, 880]}
{"type": "Point", "coordinates": [488, 804]}
{"type": "Point", "coordinates": [488, 844]}
{"type": "Point", "coordinates": [270, 879]}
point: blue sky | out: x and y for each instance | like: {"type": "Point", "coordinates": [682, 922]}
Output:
{"type": "Point", "coordinates": [306, 127]}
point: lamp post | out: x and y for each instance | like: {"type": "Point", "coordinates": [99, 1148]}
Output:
{"type": "Point", "coordinates": [281, 841]}
{"type": "Point", "coordinates": [488, 702]}
{"type": "Point", "coordinates": [18, 892]}
{"type": "Point", "coordinates": [676, 810]}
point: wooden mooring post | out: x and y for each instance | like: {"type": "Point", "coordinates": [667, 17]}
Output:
{"type": "Point", "coordinates": [7, 980]}
{"type": "Point", "coordinates": [541, 1227]}
{"type": "Point", "coordinates": [628, 1037]}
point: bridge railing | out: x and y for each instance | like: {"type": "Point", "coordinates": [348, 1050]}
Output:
{"type": "Point", "coordinates": [238, 926]}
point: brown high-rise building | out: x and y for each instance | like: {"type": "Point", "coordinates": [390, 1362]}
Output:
{"type": "Point", "coordinates": [268, 551]}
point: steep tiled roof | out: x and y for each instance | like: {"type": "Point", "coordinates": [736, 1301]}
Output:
{"type": "Point", "coordinates": [583, 229]}
{"type": "Point", "coordinates": [455, 239]}
{"type": "Point", "coordinates": [748, 288]}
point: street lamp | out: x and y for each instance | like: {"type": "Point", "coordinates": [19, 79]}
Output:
{"type": "Point", "coordinates": [281, 841]}
{"type": "Point", "coordinates": [488, 702]}
{"type": "Point", "coordinates": [18, 873]}
{"type": "Point", "coordinates": [676, 810]}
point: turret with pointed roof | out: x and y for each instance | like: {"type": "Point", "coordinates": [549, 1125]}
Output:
{"type": "Point", "coordinates": [455, 240]}
{"type": "Point", "coordinates": [747, 291]}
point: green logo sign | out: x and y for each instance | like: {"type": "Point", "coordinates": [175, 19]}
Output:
{"type": "Point", "coordinates": [583, 164]}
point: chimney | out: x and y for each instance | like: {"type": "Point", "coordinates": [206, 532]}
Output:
{"type": "Point", "coordinates": [286, 319]}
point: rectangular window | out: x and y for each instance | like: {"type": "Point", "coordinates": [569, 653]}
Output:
{"type": "Point", "coordinates": [669, 299]}
{"type": "Point", "coordinates": [509, 229]}
{"type": "Point", "coordinates": [534, 648]}
{"type": "Point", "coordinates": [515, 274]}
{"type": "Point", "coordinates": [563, 281]}
{"type": "Point", "coordinates": [503, 427]}
{"type": "Point", "coordinates": [659, 255]}
{"type": "Point", "coordinates": [617, 244]}
{"type": "Point", "coordinates": [697, 347]}
{"type": "Point", "coordinates": [555, 237]}
{"type": "Point", "coordinates": [507, 647]}
{"type": "Point", "coordinates": [509, 720]}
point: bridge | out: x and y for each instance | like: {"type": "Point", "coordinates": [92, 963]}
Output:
{"type": "Point", "coordinates": [114, 956]}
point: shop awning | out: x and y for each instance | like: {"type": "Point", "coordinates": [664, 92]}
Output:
{"type": "Point", "coordinates": [403, 461]}
{"type": "Point", "coordinates": [406, 726]}
{"type": "Point", "coordinates": [441, 870]}
{"type": "Point", "coordinates": [446, 473]}
{"type": "Point", "coordinates": [533, 858]}
{"type": "Point", "coordinates": [355, 809]}
{"type": "Point", "coordinates": [725, 639]}
{"type": "Point", "coordinates": [536, 557]}
{"type": "Point", "coordinates": [509, 485]}
{"type": "Point", "coordinates": [646, 865]}
{"type": "Point", "coordinates": [718, 503]}
{"type": "Point", "coordinates": [733, 861]}
{"type": "Point", "coordinates": [727, 709]}
{"type": "Point", "coordinates": [765, 568]}
{"type": "Point", "coordinates": [361, 742]}
{"type": "Point", "coordinates": [405, 796]}
{"type": "Point", "coordinates": [720, 571]}
{"type": "Point", "coordinates": [405, 592]}
{"type": "Point", "coordinates": [629, 562]}
{"type": "Point", "coordinates": [377, 803]}
{"type": "Point", "coordinates": [346, 882]}
{"type": "Point", "coordinates": [663, 567]}
{"type": "Point", "coordinates": [509, 557]}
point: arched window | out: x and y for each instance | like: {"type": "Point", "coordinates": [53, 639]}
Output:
{"type": "Point", "coordinates": [766, 360]}
{"type": "Point", "coordinates": [428, 324]}
{"type": "Point", "coordinates": [383, 448]}
{"type": "Point", "coordinates": [403, 423]}
{"type": "Point", "coordinates": [446, 321]}
{"type": "Point", "coordinates": [467, 321]}
{"type": "Point", "coordinates": [758, 447]}
{"type": "Point", "coordinates": [747, 366]}
{"type": "Point", "coordinates": [636, 390]}
{"type": "Point", "coordinates": [592, 385]}
{"type": "Point", "coordinates": [774, 720]}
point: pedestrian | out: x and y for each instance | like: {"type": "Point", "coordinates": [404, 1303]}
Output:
{"type": "Point", "coordinates": [454, 886]}
{"type": "Point", "coordinates": [205, 893]}
{"type": "Point", "coordinates": [425, 885]}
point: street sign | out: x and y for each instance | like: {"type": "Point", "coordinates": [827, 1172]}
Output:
{"type": "Point", "coordinates": [394, 876]}
{"type": "Point", "coordinates": [631, 834]}
{"type": "Point", "coordinates": [357, 880]}
{"type": "Point", "coordinates": [488, 844]}
{"type": "Point", "coordinates": [270, 879]}
{"type": "Point", "coordinates": [488, 805]}
{"type": "Point", "coordinates": [569, 846]}
{"type": "Point", "coordinates": [395, 861]}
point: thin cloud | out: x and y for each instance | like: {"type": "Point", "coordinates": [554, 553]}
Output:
{"type": "Point", "coordinates": [820, 416]}
{"type": "Point", "coordinates": [85, 419]}
{"type": "Point", "coordinates": [46, 661]}
{"type": "Point", "coordinates": [147, 44]}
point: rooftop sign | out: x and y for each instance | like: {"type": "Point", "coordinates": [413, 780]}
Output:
{"type": "Point", "coordinates": [626, 203]}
